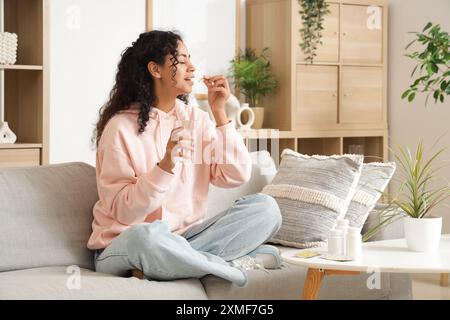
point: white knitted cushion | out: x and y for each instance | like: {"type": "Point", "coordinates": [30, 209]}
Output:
{"type": "Point", "coordinates": [375, 176]}
{"type": "Point", "coordinates": [312, 193]}
{"type": "Point", "coordinates": [8, 48]}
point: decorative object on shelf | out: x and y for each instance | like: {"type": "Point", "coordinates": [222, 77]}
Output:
{"type": "Point", "coordinates": [252, 74]}
{"type": "Point", "coordinates": [6, 135]}
{"type": "Point", "coordinates": [233, 109]}
{"type": "Point", "coordinates": [356, 148]}
{"type": "Point", "coordinates": [312, 13]}
{"type": "Point", "coordinates": [250, 119]}
{"type": "Point", "coordinates": [433, 64]}
{"type": "Point", "coordinates": [8, 41]}
{"type": "Point", "coordinates": [8, 48]}
{"type": "Point", "coordinates": [416, 199]}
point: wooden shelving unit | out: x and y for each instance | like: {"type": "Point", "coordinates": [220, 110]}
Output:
{"type": "Point", "coordinates": [275, 141]}
{"type": "Point", "coordinates": [26, 85]}
{"type": "Point", "coordinates": [338, 104]}
{"type": "Point", "coordinates": [20, 67]}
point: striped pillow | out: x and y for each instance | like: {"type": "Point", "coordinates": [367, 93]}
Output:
{"type": "Point", "coordinates": [312, 193]}
{"type": "Point", "coordinates": [375, 177]}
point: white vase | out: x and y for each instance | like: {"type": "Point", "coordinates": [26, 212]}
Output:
{"type": "Point", "coordinates": [6, 135]}
{"type": "Point", "coordinates": [250, 119]}
{"type": "Point", "coordinates": [423, 234]}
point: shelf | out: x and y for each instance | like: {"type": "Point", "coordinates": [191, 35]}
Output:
{"type": "Point", "coordinates": [350, 67]}
{"type": "Point", "coordinates": [26, 19]}
{"type": "Point", "coordinates": [324, 63]}
{"type": "Point", "coordinates": [20, 146]}
{"type": "Point", "coordinates": [26, 86]}
{"type": "Point", "coordinates": [309, 133]}
{"type": "Point", "coordinates": [370, 147]}
{"type": "Point", "coordinates": [338, 101]}
{"type": "Point", "coordinates": [321, 146]}
{"type": "Point", "coordinates": [20, 67]}
{"type": "Point", "coordinates": [375, 65]}
{"type": "Point", "coordinates": [24, 104]}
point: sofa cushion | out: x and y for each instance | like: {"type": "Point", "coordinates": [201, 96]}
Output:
{"type": "Point", "coordinates": [287, 284]}
{"type": "Point", "coordinates": [312, 193]}
{"type": "Point", "coordinates": [60, 283]}
{"type": "Point", "coordinates": [46, 215]}
{"type": "Point", "coordinates": [375, 177]}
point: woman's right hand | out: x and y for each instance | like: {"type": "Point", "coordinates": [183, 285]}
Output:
{"type": "Point", "coordinates": [179, 146]}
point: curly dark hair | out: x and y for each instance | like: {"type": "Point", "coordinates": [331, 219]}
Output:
{"type": "Point", "coordinates": [134, 82]}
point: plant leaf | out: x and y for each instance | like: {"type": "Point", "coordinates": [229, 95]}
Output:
{"type": "Point", "coordinates": [429, 24]}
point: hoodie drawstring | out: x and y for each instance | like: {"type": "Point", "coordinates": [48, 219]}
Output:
{"type": "Point", "coordinates": [160, 149]}
{"type": "Point", "coordinates": [181, 117]}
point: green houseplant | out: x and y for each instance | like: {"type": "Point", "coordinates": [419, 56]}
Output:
{"type": "Point", "coordinates": [252, 74]}
{"type": "Point", "coordinates": [432, 70]}
{"type": "Point", "coordinates": [415, 199]}
{"type": "Point", "coordinates": [312, 13]}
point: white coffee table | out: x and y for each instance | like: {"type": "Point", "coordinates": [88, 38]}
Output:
{"type": "Point", "coordinates": [382, 256]}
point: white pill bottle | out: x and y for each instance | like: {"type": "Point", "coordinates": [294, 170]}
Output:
{"type": "Point", "coordinates": [354, 243]}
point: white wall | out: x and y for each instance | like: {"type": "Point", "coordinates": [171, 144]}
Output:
{"type": "Point", "coordinates": [409, 122]}
{"type": "Point", "coordinates": [86, 40]}
{"type": "Point", "coordinates": [208, 28]}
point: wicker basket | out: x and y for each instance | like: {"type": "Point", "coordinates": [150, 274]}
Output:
{"type": "Point", "coordinates": [8, 48]}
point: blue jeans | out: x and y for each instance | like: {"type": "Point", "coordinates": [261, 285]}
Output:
{"type": "Point", "coordinates": [203, 249]}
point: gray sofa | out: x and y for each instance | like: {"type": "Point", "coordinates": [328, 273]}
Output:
{"type": "Point", "coordinates": [46, 215]}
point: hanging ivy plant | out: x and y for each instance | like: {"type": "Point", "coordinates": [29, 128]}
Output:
{"type": "Point", "coordinates": [312, 13]}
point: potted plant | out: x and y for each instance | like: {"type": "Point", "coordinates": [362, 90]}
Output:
{"type": "Point", "coordinates": [433, 64]}
{"type": "Point", "coordinates": [252, 75]}
{"type": "Point", "coordinates": [415, 200]}
{"type": "Point", "coordinates": [312, 13]}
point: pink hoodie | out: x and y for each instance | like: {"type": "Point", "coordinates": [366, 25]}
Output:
{"type": "Point", "coordinates": [133, 189]}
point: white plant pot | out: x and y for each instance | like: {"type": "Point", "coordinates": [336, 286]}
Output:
{"type": "Point", "coordinates": [424, 234]}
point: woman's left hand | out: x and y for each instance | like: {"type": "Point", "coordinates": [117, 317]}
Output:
{"type": "Point", "coordinates": [218, 92]}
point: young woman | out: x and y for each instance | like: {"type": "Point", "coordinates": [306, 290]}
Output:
{"type": "Point", "coordinates": [153, 190]}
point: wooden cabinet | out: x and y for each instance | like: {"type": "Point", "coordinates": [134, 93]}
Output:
{"type": "Point", "coordinates": [343, 94]}
{"type": "Point", "coordinates": [361, 38]}
{"type": "Point", "coordinates": [19, 157]}
{"type": "Point", "coordinates": [362, 95]}
{"type": "Point", "coordinates": [329, 50]}
{"type": "Point", "coordinates": [317, 95]}
{"type": "Point", "coordinates": [26, 85]}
